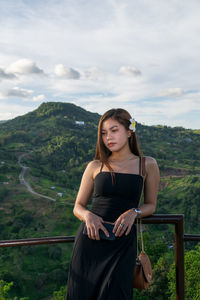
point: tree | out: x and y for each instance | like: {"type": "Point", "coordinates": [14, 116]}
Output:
{"type": "Point", "coordinates": [4, 289]}
{"type": "Point", "coordinates": [60, 295]}
{"type": "Point", "coordinates": [192, 276]}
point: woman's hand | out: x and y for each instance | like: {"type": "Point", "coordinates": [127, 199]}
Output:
{"type": "Point", "coordinates": [126, 219]}
{"type": "Point", "coordinates": [93, 224]}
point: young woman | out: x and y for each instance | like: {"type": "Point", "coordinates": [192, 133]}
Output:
{"type": "Point", "coordinates": [100, 268]}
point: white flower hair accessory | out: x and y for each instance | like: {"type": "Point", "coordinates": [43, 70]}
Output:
{"type": "Point", "coordinates": [132, 125]}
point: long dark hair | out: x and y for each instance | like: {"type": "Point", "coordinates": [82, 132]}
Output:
{"type": "Point", "coordinates": [123, 117]}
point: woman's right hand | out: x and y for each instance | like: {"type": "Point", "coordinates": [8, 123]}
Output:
{"type": "Point", "coordinates": [93, 224]}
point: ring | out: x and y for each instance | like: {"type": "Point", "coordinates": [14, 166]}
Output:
{"type": "Point", "coordinates": [121, 225]}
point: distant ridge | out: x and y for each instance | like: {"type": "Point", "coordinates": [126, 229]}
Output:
{"type": "Point", "coordinates": [53, 129]}
{"type": "Point", "coordinates": [71, 111]}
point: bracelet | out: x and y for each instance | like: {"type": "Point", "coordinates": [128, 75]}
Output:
{"type": "Point", "coordinates": [138, 212]}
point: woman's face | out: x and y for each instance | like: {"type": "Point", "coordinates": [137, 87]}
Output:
{"type": "Point", "coordinates": [114, 135]}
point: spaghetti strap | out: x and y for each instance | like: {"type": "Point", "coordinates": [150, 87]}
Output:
{"type": "Point", "coordinates": [101, 167]}
{"type": "Point", "coordinates": [143, 166]}
{"type": "Point", "coordinates": [140, 165]}
{"type": "Point", "coordinates": [142, 170]}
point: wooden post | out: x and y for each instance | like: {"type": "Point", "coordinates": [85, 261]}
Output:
{"type": "Point", "coordinates": [179, 258]}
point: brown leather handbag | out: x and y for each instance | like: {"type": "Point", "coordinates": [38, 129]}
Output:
{"type": "Point", "coordinates": [143, 269]}
{"type": "Point", "coordinates": [143, 272]}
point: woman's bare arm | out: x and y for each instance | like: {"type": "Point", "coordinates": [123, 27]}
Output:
{"type": "Point", "coordinates": [93, 222]}
{"type": "Point", "coordinates": [151, 186]}
{"type": "Point", "coordinates": [84, 193]}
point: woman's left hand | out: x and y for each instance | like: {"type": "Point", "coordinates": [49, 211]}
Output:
{"type": "Point", "coordinates": [126, 220]}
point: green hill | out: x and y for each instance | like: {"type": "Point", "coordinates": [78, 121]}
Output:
{"type": "Point", "coordinates": [56, 149]}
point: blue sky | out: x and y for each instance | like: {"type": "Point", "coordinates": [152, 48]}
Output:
{"type": "Point", "coordinates": [140, 55]}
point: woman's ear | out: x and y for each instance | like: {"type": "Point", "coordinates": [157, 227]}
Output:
{"type": "Point", "coordinates": [129, 133]}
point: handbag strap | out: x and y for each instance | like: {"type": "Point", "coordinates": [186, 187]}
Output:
{"type": "Point", "coordinates": [142, 172]}
{"type": "Point", "coordinates": [142, 169]}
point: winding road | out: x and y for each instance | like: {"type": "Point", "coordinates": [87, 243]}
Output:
{"type": "Point", "coordinates": [26, 183]}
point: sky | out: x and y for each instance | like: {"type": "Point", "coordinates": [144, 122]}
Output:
{"type": "Point", "coordinates": [140, 55]}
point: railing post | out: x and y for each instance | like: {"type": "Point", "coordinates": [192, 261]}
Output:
{"type": "Point", "coordinates": [179, 259]}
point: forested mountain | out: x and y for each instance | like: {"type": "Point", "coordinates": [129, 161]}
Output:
{"type": "Point", "coordinates": [56, 141]}
{"type": "Point", "coordinates": [52, 127]}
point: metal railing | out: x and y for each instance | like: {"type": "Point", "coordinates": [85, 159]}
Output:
{"type": "Point", "coordinates": [180, 238]}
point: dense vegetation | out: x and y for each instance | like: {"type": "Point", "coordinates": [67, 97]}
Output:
{"type": "Point", "coordinates": [57, 150]}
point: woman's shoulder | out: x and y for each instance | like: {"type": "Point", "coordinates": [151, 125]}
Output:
{"type": "Point", "coordinates": [151, 164]}
{"type": "Point", "coordinates": [150, 160]}
{"type": "Point", "coordinates": [94, 163]}
{"type": "Point", "coordinates": [94, 166]}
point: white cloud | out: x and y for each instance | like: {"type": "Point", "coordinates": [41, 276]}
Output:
{"type": "Point", "coordinates": [94, 81]}
{"type": "Point", "coordinates": [130, 71]}
{"type": "Point", "coordinates": [94, 74]}
{"type": "Point", "coordinates": [6, 75]}
{"type": "Point", "coordinates": [24, 66]}
{"type": "Point", "coordinates": [171, 92]}
{"type": "Point", "coordinates": [16, 92]}
{"type": "Point", "coordinates": [39, 98]}
{"type": "Point", "coordinates": [64, 72]}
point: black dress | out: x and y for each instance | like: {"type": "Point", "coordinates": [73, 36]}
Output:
{"type": "Point", "coordinates": [104, 269]}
